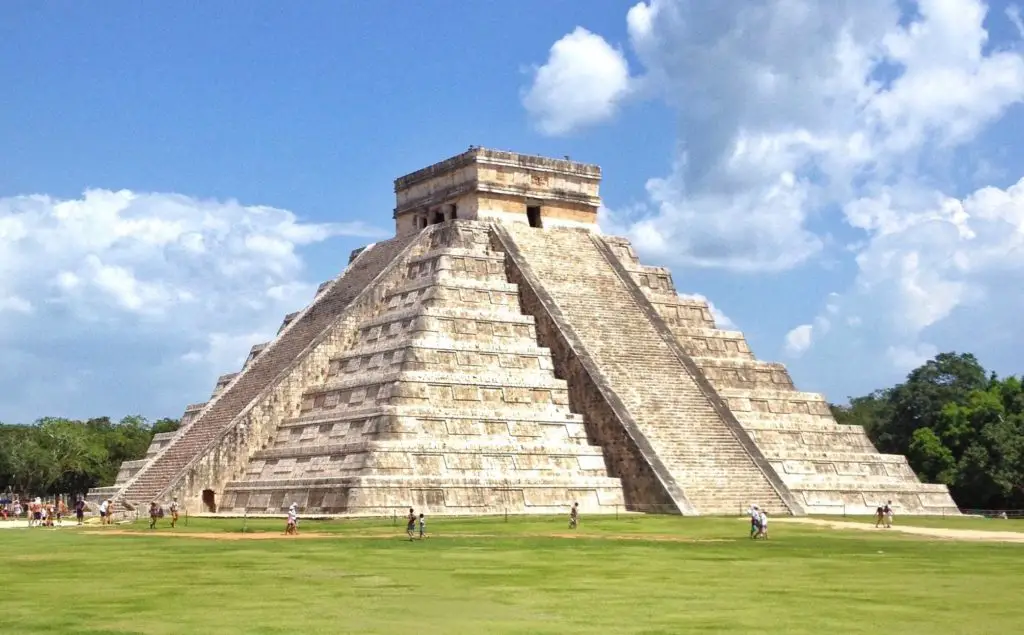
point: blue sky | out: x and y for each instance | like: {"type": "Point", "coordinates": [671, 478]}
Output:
{"type": "Point", "coordinates": [841, 182]}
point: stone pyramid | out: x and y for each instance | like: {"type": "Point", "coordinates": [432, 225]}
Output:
{"type": "Point", "coordinates": [500, 354]}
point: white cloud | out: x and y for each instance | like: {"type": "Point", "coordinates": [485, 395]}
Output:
{"type": "Point", "coordinates": [800, 120]}
{"type": "Point", "coordinates": [799, 339]}
{"type": "Point", "coordinates": [905, 358]}
{"type": "Point", "coordinates": [1013, 14]}
{"type": "Point", "coordinates": [93, 287]}
{"type": "Point", "coordinates": [791, 106]}
{"type": "Point", "coordinates": [14, 303]}
{"type": "Point", "coordinates": [581, 84]}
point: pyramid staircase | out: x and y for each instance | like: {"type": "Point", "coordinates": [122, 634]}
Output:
{"type": "Point", "coordinates": [829, 468]}
{"type": "Point", "coordinates": [443, 402]}
{"type": "Point", "coordinates": [711, 467]}
{"type": "Point", "coordinates": [238, 394]}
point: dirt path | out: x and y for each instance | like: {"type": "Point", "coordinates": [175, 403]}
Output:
{"type": "Point", "coordinates": [262, 535]}
{"type": "Point", "coordinates": [931, 532]}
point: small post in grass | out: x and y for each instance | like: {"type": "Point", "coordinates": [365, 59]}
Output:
{"type": "Point", "coordinates": [245, 520]}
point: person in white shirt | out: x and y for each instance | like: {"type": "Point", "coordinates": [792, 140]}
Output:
{"type": "Point", "coordinates": [104, 506]}
{"type": "Point", "coordinates": [292, 528]}
{"type": "Point", "coordinates": [763, 518]}
{"type": "Point", "coordinates": [755, 521]}
{"type": "Point", "coordinates": [174, 512]}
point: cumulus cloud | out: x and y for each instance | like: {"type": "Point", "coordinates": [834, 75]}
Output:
{"type": "Point", "coordinates": [799, 115]}
{"type": "Point", "coordinates": [799, 339]}
{"type": "Point", "coordinates": [93, 287]}
{"type": "Point", "coordinates": [907, 358]}
{"type": "Point", "coordinates": [787, 107]}
{"type": "Point", "coordinates": [581, 84]}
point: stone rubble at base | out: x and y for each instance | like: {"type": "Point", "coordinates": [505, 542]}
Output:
{"type": "Point", "coordinates": [477, 364]}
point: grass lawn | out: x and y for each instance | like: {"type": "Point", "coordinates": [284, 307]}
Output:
{"type": "Point", "coordinates": [632, 575]}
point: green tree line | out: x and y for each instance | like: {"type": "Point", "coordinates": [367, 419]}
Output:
{"type": "Point", "coordinates": [957, 425]}
{"type": "Point", "coordinates": [53, 455]}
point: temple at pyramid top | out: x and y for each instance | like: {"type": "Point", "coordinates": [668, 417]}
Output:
{"type": "Point", "coordinates": [485, 184]}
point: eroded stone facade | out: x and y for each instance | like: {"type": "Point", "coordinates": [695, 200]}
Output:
{"type": "Point", "coordinates": [499, 355]}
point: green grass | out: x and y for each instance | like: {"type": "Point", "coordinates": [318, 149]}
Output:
{"type": "Point", "coordinates": [949, 522]}
{"type": "Point", "coordinates": [489, 576]}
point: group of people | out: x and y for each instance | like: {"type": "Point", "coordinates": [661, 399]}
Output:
{"type": "Point", "coordinates": [40, 514]}
{"type": "Point", "coordinates": [156, 512]}
{"type": "Point", "coordinates": [883, 515]}
{"type": "Point", "coordinates": [758, 523]}
{"type": "Point", "coordinates": [410, 525]}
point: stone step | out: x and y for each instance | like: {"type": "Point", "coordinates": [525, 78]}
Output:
{"type": "Point", "coordinates": [440, 341]}
{"type": "Point", "coordinates": [426, 445]}
{"type": "Point", "coordinates": [484, 253]}
{"type": "Point", "coordinates": [423, 315]}
{"type": "Point", "coordinates": [863, 483]}
{"type": "Point", "coordinates": [370, 481]}
{"type": "Point", "coordinates": [286, 347]}
{"type": "Point", "coordinates": [480, 356]}
{"type": "Point", "coordinates": [467, 412]}
{"type": "Point", "coordinates": [790, 453]}
{"type": "Point", "coordinates": [676, 417]}
{"type": "Point", "coordinates": [794, 422]}
{"type": "Point", "coordinates": [487, 378]}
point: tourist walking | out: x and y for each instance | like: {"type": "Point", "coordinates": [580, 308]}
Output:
{"type": "Point", "coordinates": [410, 524]}
{"type": "Point", "coordinates": [80, 510]}
{"type": "Point", "coordinates": [574, 516]}
{"type": "Point", "coordinates": [174, 512]}
{"type": "Point", "coordinates": [423, 527]}
{"type": "Point", "coordinates": [292, 528]}
{"type": "Point", "coordinates": [154, 514]}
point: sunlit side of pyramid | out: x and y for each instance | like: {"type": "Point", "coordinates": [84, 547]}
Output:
{"type": "Point", "coordinates": [500, 354]}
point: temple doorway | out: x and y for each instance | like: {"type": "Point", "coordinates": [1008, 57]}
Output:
{"type": "Point", "coordinates": [533, 215]}
{"type": "Point", "coordinates": [210, 501]}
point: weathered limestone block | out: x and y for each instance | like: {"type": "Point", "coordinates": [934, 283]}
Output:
{"type": "Point", "coordinates": [713, 343]}
{"type": "Point", "coordinates": [254, 352]}
{"type": "Point", "coordinates": [222, 383]}
{"type": "Point", "coordinates": [287, 320]}
{"type": "Point", "coordinates": [750, 375]}
{"type": "Point", "coordinates": [780, 402]}
{"type": "Point", "coordinates": [684, 312]}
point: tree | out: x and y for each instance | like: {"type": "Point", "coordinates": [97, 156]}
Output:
{"type": "Point", "coordinates": [956, 425]}
{"type": "Point", "coordinates": [55, 455]}
{"type": "Point", "coordinates": [918, 403]}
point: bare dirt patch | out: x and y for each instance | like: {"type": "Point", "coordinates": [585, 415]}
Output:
{"type": "Point", "coordinates": [929, 532]}
{"type": "Point", "coordinates": [266, 535]}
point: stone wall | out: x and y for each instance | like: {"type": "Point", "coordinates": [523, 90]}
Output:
{"type": "Point", "coordinates": [643, 489]}
{"type": "Point", "coordinates": [833, 469]}
{"type": "Point", "coordinates": [228, 457]}
{"type": "Point", "coordinates": [443, 401]}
